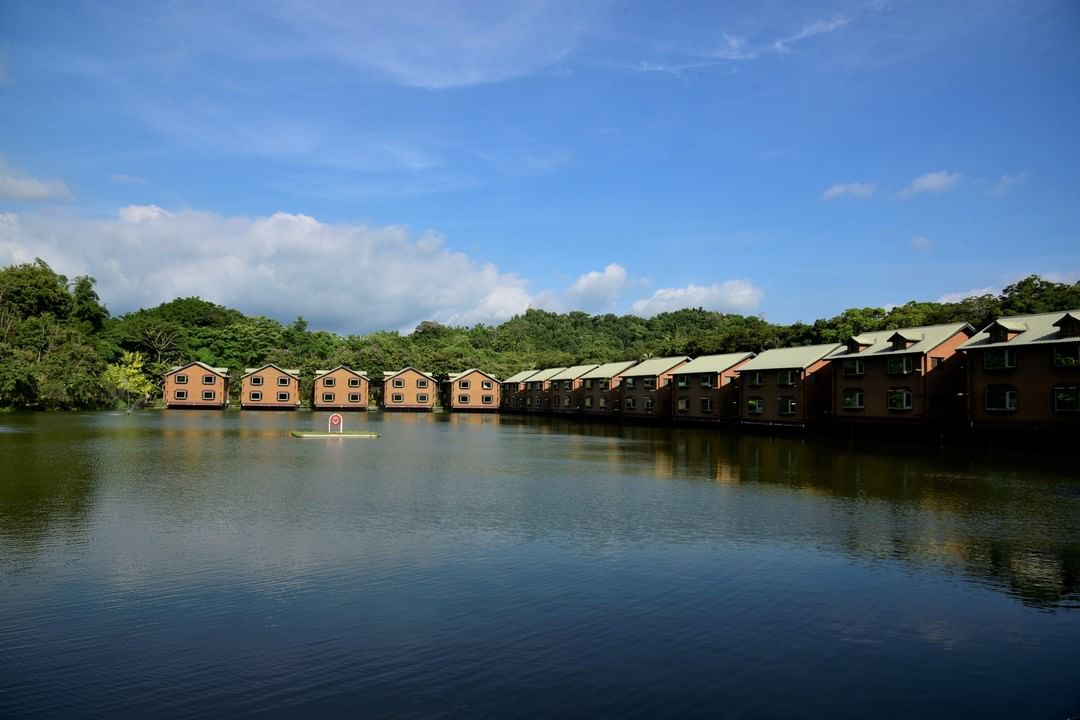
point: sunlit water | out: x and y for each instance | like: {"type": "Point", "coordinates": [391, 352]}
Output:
{"type": "Point", "coordinates": [182, 564]}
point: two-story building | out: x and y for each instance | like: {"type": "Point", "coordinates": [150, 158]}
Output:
{"type": "Point", "coordinates": [911, 376]}
{"type": "Point", "coordinates": [786, 386]}
{"type": "Point", "coordinates": [408, 389]}
{"type": "Point", "coordinates": [1024, 371]}
{"type": "Point", "coordinates": [513, 391]}
{"type": "Point", "coordinates": [270, 388]}
{"type": "Point", "coordinates": [472, 390]}
{"type": "Point", "coordinates": [564, 389]}
{"type": "Point", "coordinates": [705, 389]}
{"type": "Point", "coordinates": [340, 389]}
{"type": "Point", "coordinates": [601, 389]}
{"type": "Point", "coordinates": [197, 385]}
{"type": "Point", "coordinates": [646, 387]}
{"type": "Point", "coordinates": [536, 390]}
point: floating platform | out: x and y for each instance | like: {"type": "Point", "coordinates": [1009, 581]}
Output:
{"type": "Point", "coordinates": [325, 434]}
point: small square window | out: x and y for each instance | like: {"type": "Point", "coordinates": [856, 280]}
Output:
{"type": "Point", "coordinates": [283, 382]}
{"type": "Point", "coordinates": [256, 380]}
{"type": "Point", "coordinates": [647, 404]}
{"type": "Point", "coordinates": [486, 385]}
{"type": "Point", "coordinates": [1000, 398]}
{"type": "Point", "coordinates": [682, 404]}
{"type": "Point", "coordinates": [682, 381]}
{"type": "Point", "coordinates": [208, 394]}
{"type": "Point", "coordinates": [487, 400]}
{"type": "Point", "coordinates": [354, 382]}
{"type": "Point", "coordinates": [255, 396]}
{"type": "Point", "coordinates": [1067, 399]}
{"type": "Point", "coordinates": [629, 403]}
{"type": "Point", "coordinates": [707, 381]}
{"type": "Point", "coordinates": [465, 384]}
{"type": "Point", "coordinates": [354, 397]}
{"type": "Point", "coordinates": [329, 382]}
{"type": "Point", "coordinates": [1003, 359]}
{"type": "Point", "coordinates": [399, 382]}
{"type": "Point", "coordinates": [852, 368]}
{"type": "Point", "coordinates": [463, 399]}
{"type": "Point", "coordinates": [421, 383]}
{"type": "Point", "coordinates": [208, 379]}
{"type": "Point", "coordinates": [899, 365]}
{"type": "Point", "coordinates": [1067, 356]}
{"type": "Point", "coordinates": [181, 379]}
{"type": "Point", "coordinates": [755, 379]}
{"type": "Point", "coordinates": [328, 397]}
{"type": "Point", "coordinates": [706, 406]}
{"type": "Point", "coordinates": [899, 399]}
{"type": "Point", "coordinates": [180, 394]}
{"type": "Point", "coordinates": [566, 401]}
{"type": "Point", "coordinates": [786, 378]}
{"type": "Point", "coordinates": [629, 383]}
{"type": "Point", "coordinates": [755, 406]}
{"type": "Point", "coordinates": [602, 401]}
{"type": "Point", "coordinates": [422, 398]}
{"type": "Point", "coordinates": [397, 397]}
{"type": "Point", "coordinates": [588, 402]}
{"type": "Point", "coordinates": [650, 383]}
{"type": "Point", "coordinates": [852, 399]}
{"type": "Point", "coordinates": [283, 397]}
{"type": "Point", "coordinates": [787, 406]}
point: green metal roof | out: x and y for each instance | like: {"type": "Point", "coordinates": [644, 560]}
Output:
{"type": "Point", "coordinates": [655, 366]}
{"type": "Point", "coordinates": [361, 373]}
{"type": "Point", "coordinates": [247, 371]}
{"type": "Point", "coordinates": [788, 358]}
{"type": "Point", "coordinates": [1038, 329]}
{"type": "Point", "coordinates": [573, 373]}
{"type": "Point", "coordinates": [387, 374]}
{"type": "Point", "coordinates": [454, 376]}
{"type": "Point", "coordinates": [521, 376]}
{"type": "Point", "coordinates": [712, 363]}
{"type": "Point", "coordinates": [609, 370]}
{"type": "Point", "coordinates": [546, 374]}
{"type": "Point", "coordinates": [924, 339]}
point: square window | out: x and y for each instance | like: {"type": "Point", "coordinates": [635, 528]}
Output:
{"type": "Point", "coordinates": [464, 384]}
{"type": "Point", "coordinates": [588, 384]}
{"type": "Point", "coordinates": [787, 406]}
{"type": "Point", "coordinates": [682, 404]}
{"type": "Point", "coordinates": [707, 382]}
{"type": "Point", "coordinates": [328, 397]}
{"type": "Point", "coordinates": [588, 402]}
{"type": "Point", "coordinates": [755, 379]}
{"type": "Point", "coordinates": [421, 383]}
{"type": "Point", "coordinates": [354, 397]}
{"type": "Point", "coordinates": [629, 383]}
{"type": "Point", "coordinates": [487, 400]}
{"type": "Point", "coordinates": [602, 401]}
{"type": "Point", "coordinates": [852, 368]}
{"type": "Point", "coordinates": [650, 383]}
{"type": "Point", "coordinates": [329, 382]}
{"type": "Point", "coordinates": [180, 394]}
{"type": "Point", "coordinates": [354, 382]}
{"type": "Point", "coordinates": [852, 399]}
{"type": "Point", "coordinates": [629, 403]}
{"type": "Point", "coordinates": [1000, 398]}
{"type": "Point", "coordinates": [208, 379]}
{"type": "Point", "coordinates": [486, 385]}
{"type": "Point", "coordinates": [463, 399]}
{"type": "Point", "coordinates": [786, 378]}
{"type": "Point", "coordinates": [208, 394]}
{"type": "Point", "coordinates": [181, 379]}
{"type": "Point", "coordinates": [1067, 398]}
{"type": "Point", "coordinates": [682, 382]}
{"type": "Point", "coordinates": [256, 380]}
{"type": "Point", "coordinates": [755, 406]}
{"type": "Point", "coordinates": [706, 406]}
{"type": "Point", "coordinates": [255, 396]}
{"type": "Point", "coordinates": [397, 397]}
{"type": "Point", "coordinates": [422, 398]}
{"type": "Point", "coordinates": [283, 397]}
{"type": "Point", "coordinates": [935, 362]}
{"type": "Point", "coordinates": [1067, 356]}
{"type": "Point", "coordinates": [899, 365]}
{"type": "Point", "coordinates": [647, 404]}
{"type": "Point", "coordinates": [898, 399]}
{"type": "Point", "coordinates": [399, 382]}
{"type": "Point", "coordinates": [283, 382]}
{"type": "Point", "coordinates": [528, 401]}
{"type": "Point", "coordinates": [1003, 359]}
{"type": "Point", "coordinates": [566, 401]}
{"type": "Point", "coordinates": [605, 384]}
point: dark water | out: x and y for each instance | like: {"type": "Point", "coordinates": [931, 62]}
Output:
{"type": "Point", "coordinates": [181, 564]}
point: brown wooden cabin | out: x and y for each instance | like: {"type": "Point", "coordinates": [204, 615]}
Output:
{"type": "Point", "coordinates": [537, 398]}
{"type": "Point", "coordinates": [472, 390]}
{"type": "Point", "coordinates": [270, 388]}
{"type": "Point", "coordinates": [512, 397]}
{"type": "Point", "coordinates": [340, 389]}
{"type": "Point", "coordinates": [197, 385]}
{"type": "Point", "coordinates": [565, 389]}
{"type": "Point", "coordinates": [601, 389]}
{"type": "Point", "coordinates": [646, 387]}
{"type": "Point", "coordinates": [706, 389]}
{"type": "Point", "coordinates": [409, 389]}
{"type": "Point", "coordinates": [786, 386]}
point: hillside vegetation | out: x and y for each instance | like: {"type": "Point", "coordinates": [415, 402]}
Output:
{"type": "Point", "coordinates": [57, 339]}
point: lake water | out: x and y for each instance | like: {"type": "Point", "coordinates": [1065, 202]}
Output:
{"type": "Point", "coordinates": [183, 564]}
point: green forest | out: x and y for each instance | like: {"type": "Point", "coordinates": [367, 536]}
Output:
{"type": "Point", "coordinates": [60, 348]}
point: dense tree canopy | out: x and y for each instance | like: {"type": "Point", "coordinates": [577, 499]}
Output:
{"type": "Point", "coordinates": [57, 341]}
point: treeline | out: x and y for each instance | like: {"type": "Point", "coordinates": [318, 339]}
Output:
{"type": "Point", "coordinates": [60, 347]}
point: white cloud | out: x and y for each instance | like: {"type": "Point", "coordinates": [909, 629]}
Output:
{"type": "Point", "coordinates": [729, 296]}
{"type": "Point", "coordinates": [15, 185]}
{"type": "Point", "coordinates": [808, 31]}
{"type": "Point", "coordinates": [1007, 182]}
{"type": "Point", "coordinates": [127, 179]}
{"type": "Point", "coordinates": [345, 277]}
{"type": "Point", "coordinates": [597, 291]}
{"type": "Point", "coordinates": [922, 243]}
{"type": "Point", "coordinates": [939, 181]}
{"type": "Point", "coordinates": [974, 292]}
{"type": "Point", "coordinates": [854, 189]}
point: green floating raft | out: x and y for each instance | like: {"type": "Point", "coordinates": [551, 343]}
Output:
{"type": "Point", "coordinates": [335, 434]}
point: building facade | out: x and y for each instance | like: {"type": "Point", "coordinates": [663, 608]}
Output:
{"type": "Point", "coordinates": [537, 398]}
{"type": "Point", "coordinates": [706, 389]}
{"type": "Point", "coordinates": [565, 391]}
{"type": "Point", "coordinates": [409, 389]}
{"type": "Point", "coordinates": [340, 389]}
{"type": "Point", "coordinates": [646, 387]}
{"type": "Point", "coordinates": [786, 386]}
{"type": "Point", "coordinates": [197, 385]}
{"type": "Point", "coordinates": [601, 389]}
{"type": "Point", "coordinates": [270, 388]}
{"type": "Point", "coordinates": [472, 390]}
{"type": "Point", "coordinates": [513, 391]}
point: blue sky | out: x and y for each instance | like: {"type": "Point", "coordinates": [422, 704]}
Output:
{"type": "Point", "coordinates": [372, 167]}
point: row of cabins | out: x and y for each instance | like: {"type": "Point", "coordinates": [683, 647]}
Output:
{"type": "Point", "coordinates": [1021, 370]}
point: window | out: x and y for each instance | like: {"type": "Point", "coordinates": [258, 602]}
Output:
{"type": "Point", "coordinates": [755, 406]}
{"type": "Point", "coordinates": [683, 381]}
{"type": "Point", "coordinates": [899, 365]}
{"type": "Point", "coordinates": [528, 401]}
{"type": "Point", "coordinates": [787, 405]}
{"type": "Point", "coordinates": [588, 384]}
{"type": "Point", "coordinates": [399, 382]}
{"type": "Point", "coordinates": [682, 404]}
{"type": "Point", "coordinates": [707, 381]}
{"type": "Point", "coordinates": [1067, 355]}
{"type": "Point", "coordinates": [208, 379]}
{"type": "Point", "coordinates": [628, 383]}
{"type": "Point", "coordinates": [354, 382]}
{"type": "Point", "coordinates": [755, 379]}
{"type": "Point", "coordinates": [422, 398]}
{"type": "Point", "coordinates": [629, 403]}
{"type": "Point", "coordinates": [283, 397]}
{"type": "Point", "coordinates": [566, 401]}
{"type": "Point", "coordinates": [328, 397]}
{"type": "Point", "coordinates": [254, 396]}
{"type": "Point", "coordinates": [898, 398]}
{"type": "Point", "coordinates": [568, 385]}
{"type": "Point", "coordinates": [852, 368]}
{"type": "Point", "coordinates": [1000, 398]}
{"type": "Point", "coordinates": [647, 404]}
{"type": "Point", "coordinates": [465, 384]}
{"type": "Point", "coordinates": [208, 394]}
{"type": "Point", "coordinates": [852, 399]}
{"type": "Point", "coordinates": [1067, 398]}
{"type": "Point", "coordinates": [486, 385]}
{"type": "Point", "coordinates": [602, 401]}
{"type": "Point", "coordinates": [1002, 359]}
{"type": "Point", "coordinates": [421, 383]}
{"type": "Point", "coordinates": [329, 382]}
{"type": "Point", "coordinates": [354, 397]}
{"type": "Point", "coordinates": [180, 395]}
{"type": "Point", "coordinates": [181, 379]}
{"type": "Point", "coordinates": [706, 406]}
{"type": "Point", "coordinates": [397, 397]}
{"type": "Point", "coordinates": [256, 380]}
{"type": "Point", "coordinates": [605, 384]}
{"type": "Point", "coordinates": [487, 399]}
{"type": "Point", "coordinates": [283, 382]}
{"type": "Point", "coordinates": [786, 378]}
{"type": "Point", "coordinates": [588, 402]}
{"type": "Point", "coordinates": [463, 399]}
{"type": "Point", "coordinates": [650, 383]}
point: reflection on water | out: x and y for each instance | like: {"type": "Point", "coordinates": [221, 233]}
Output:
{"type": "Point", "coordinates": [469, 556]}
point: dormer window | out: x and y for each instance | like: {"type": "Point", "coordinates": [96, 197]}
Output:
{"type": "Point", "coordinates": [1005, 330]}
{"type": "Point", "coordinates": [1069, 325]}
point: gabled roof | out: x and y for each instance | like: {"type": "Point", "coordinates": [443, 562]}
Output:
{"type": "Point", "coordinates": [923, 339]}
{"type": "Point", "coordinates": [712, 363]}
{"type": "Point", "coordinates": [1072, 316]}
{"type": "Point", "coordinates": [251, 371]}
{"type": "Point", "coordinates": [521, 376]}
{"type": "Point", "coordinates": [454, 376]}
{"type": "Point", "coordinates": [387, 374]}
{"type": "Point", "coordinates": [609, 370]}
{"type": "Point", "coordinates": [358, 373]}
{"type": "Point", "coordinates": [1037, 329]}
{"type": "Point", "coordinates": [573, 373]}
{"type": "Point", "coordinates": [546, 374]}
{"type": "Point", "coordinates": [655, 366]}
{"type": "Point", "coordinates": [224, 372]}
{"type": "Point", "coordinates": [788, 358]}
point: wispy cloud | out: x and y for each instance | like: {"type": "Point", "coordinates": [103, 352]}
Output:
{"type": "Point", "coordinates": [965, 294]}
{"type": "Point", "coordinates": [820, 27]}
{"type": "Point", "coordinates": [127, 179]}
{"type": "Point", "coordinates": [922, 243]}
{"type": "Point", "coordinates": [854, 189]}
{"type": "Point", "coordinates": [939, 181]}
{"type": "Point", "coordinates": [16, 185]}
{"type": "Point", "coordinates": [729, 296]}
{"type": "Point", "coordinates": [1006, 183]}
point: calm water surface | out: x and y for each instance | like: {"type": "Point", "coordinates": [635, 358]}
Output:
{"type": "Point", "coordinates": [183, 564]}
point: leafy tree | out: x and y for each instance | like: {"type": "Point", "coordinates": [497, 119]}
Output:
{"type": "Point", "coordinates": [126, 378]}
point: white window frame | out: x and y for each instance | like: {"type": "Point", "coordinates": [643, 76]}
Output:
{"type": "Point", "coordinates": [255, 396]}
{"type": "Point", "coordinates": [398, 382]}
{"type": "Point", "coordinates": [328, 397]}
{"type": "Point", "coordinates": [355, 397]}
{"type": "Point", "coordinates": [707, 407]}
{"type": "Point", "coordinates": [1009, 355]}
{"type": "Point", "coordinates": [329, 382]}
{"type": "Point", "coordinates": [397, 397]}
{"type": "Point", "coordinates": [283, 381]}
{"type": "Point", "coordinates": [180, 394]}
{"type": "Point", "coordinates": [487, 399]}
{"type": "Point", "coordinates": [256, 380]}
{"type": "Point", "coordinates": [1010, 396]}
{"type": "Point", "coordinates": [283, 396]}
{"type": "Point", "coordinates": [464, 384]}
{"type": "Point", "coordinates": [907, 396]}
{"type": "Point", "coordinates": [786, 405]}
{"type": "Point", "coordinates": [860, 398]}
{"type": "Point", "coordinates": [755, 406]}
{"type": "Point", "coordinates": [463, 399]}
{"type": "Point", "coordinates": [422, 398]}
{"type": "Point", "coordinates": [181, 379]}
{"type": "Point", "coordinates": [211, 393]}
{"type": "Point", "coordinates": [209, 379]}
